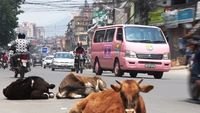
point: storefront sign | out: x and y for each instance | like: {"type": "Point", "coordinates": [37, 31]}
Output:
{"type": "Point", "coordinates": [186, 15]}
{"type": "Point", "coordinates": [171, 19]}
{"type": "Point", "coordinates": [198, 11]}
{"type": "Point", "coordinates": [155, 17]}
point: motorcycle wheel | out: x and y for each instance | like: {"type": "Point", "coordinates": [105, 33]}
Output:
{"type": "Point", "coordinates": [22, 72]}
{"type": "Point", "coordinates": [16, 73]}
{"type": "Point", "coordinates": [193, 89]}
{"type": "Point", "coordinates": [81, 67]}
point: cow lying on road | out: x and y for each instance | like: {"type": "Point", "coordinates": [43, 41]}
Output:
{"type": "Point", "coordinates": [79, 86]}
{"type": "Point", "coordinates": [122, 98]}
{"type": "Point", "coordinates": [32, 87]}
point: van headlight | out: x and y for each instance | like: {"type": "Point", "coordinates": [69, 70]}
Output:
{"type": "Point", "coordinates": [166, 56]}
{"type": "Point", "coordinates": [130, 54]}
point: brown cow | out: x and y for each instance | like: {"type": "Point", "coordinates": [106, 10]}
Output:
{"type": "Point", "coordinates": [122, 98]}
{"type": "Point", "coordinates": [78, 86]}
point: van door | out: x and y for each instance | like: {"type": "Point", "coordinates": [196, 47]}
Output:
{"type": "Point", "coordinates": [118, 45]}
{"type": "Point", "coordinates": [97, 46]}
{"type": "Point", "coordinates": [108, 48]}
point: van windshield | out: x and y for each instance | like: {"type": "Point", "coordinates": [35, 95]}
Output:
{"type": "Point", "coordinates": [144, 35]}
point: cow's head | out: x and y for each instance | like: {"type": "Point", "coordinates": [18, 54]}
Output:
{"type": "Point", "coordinates": [129, 91]}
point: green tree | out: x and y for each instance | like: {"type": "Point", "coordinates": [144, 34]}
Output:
{"type": "Point", "coordinates": [9, 9]}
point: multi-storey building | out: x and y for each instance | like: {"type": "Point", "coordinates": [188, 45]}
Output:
{"type": "Point", "coordinates": [31, 30]}
{"type": "Point", "coordinates": [78, 26]}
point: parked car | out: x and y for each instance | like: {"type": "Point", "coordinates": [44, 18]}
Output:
{"type": "Point", "coordinates": [62, 60]}
{"type": "Point", "coordinates": [37, 60]}
{"type": "Point", "coordinates": [47, 61]}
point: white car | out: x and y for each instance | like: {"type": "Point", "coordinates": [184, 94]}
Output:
{"type": "Point", "coordinates": [62, 60]}
{"type": "Point", "coordinates": [47, 61]}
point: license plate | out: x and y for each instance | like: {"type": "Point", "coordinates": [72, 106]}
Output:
{"type": "Point", "coordinates": [150, 65]}
{"type": "Point", "coordinates": [24, 64]}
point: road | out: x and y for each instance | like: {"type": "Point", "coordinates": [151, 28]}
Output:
{"type": "Point", "coordinates": [170, 94]}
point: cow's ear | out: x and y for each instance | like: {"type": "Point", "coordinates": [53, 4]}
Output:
{"type": "Point", "coordinates": [116, 88]}
{"type": "Point", "coordinates": [146, 88]}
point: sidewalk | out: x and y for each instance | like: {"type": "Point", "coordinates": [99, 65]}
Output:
{"type": "Point", "coordinates": [178, 67]}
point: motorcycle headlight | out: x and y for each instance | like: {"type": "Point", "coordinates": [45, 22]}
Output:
{"type": "Point", "coordinates": [130, 54]}
{"type": "Point", "coordinates": [166, 56]}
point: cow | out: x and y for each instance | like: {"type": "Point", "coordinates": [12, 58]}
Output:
{"type": "Point", "coordinates": [123, 97]}
{"type": "Point", "coordinates": [32, 87]}
{"type": "Point", "coordinates": [78, 86]}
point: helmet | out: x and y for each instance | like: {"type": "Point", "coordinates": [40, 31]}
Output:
{"type": "Point", "coordinates": [21, 36]}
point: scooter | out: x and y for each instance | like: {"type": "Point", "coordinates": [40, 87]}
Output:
{"type": "Point", "coordinates": [194, 77]}
{"type": "Point", "coordinates": [22, 65]}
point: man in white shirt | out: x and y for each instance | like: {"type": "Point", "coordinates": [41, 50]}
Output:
{"type": "Point", "coordinates": [19, 46]}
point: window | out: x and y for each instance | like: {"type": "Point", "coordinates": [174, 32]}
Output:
{"type": "Point", "coordinates": [109, 35]}
{"type": "Point", "coordinates": [99, 36]}
{"type": "Point", "coordinates": [119, 34]}
{"type": "Point", "coordinates": [64, 55]}
{"type": "Point", "coordinates": [144, 34]}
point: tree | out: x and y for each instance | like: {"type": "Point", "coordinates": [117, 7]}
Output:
{"type": "Point", "coordinates": [9, 9]}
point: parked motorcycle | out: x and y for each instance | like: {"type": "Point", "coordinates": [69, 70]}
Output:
{"type": "Point", "coordinates": [79, 63]}
{"type": "Point", "coordinates": [194, 77]}
{"type": "Point", "coordinates": [22, 65]}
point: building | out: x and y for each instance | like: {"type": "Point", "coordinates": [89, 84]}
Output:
{"type": "Point", "coordinates": [78, 27]}
{"type": "Point", "coordinates": [31, 30]}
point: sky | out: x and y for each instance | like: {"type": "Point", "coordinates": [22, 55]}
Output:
{"type": "Point", "coordinates": [53, 15]}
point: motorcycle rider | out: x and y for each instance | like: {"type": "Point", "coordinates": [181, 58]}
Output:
{"type": "Point", "coordinates": [18, 46]}
{"type": "Point", "coordinates": [4, 58]}
{"type": "Point", "coordinates": [80, 50]}
{"type": "Point", "coordinates": [194, 78]}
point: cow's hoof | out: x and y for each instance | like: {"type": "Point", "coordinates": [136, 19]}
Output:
{"type": "Point", "coordinates": [51, 95]}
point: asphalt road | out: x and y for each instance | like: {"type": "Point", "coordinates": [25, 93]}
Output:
{"type": "Point", "coordinates": [170, 94]}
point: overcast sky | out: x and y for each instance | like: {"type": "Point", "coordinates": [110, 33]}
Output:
{"type": "Point", "coordinates": [52, 14]}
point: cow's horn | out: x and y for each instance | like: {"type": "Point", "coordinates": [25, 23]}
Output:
{"type": "Point", "coordinates": [118, 82]}
{"type": "Point", "coordinates": [140, 80]}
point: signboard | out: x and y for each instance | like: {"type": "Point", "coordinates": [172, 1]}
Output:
{"type": "Point", "coordinates": [185, 15]}
{"type": "Point", "coordinates": [44, 50]}
{"type": "Point", "coordinates": [171, 19]}
{"type": "Point", "coordinates": [198, 11]}
{"type": "Point", "coordinates": [155, 17]}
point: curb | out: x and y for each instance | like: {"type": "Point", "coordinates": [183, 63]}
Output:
{"type": "Point", "coordinates": [178, 67]}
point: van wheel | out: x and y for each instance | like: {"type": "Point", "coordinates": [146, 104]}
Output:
{"type": "Point", "coordinates": [133, 74]}
{"type": "Point", "coordinates": [158, 75]}
{"type": "Point", "coordinates": [97, 68]}
{"type": "Point", "coordinates": [117, 70]}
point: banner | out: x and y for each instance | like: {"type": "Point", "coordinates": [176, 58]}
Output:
{"type": "Point", "coordinates": [155, 17]}
{"type": "Point", "coordinates": [198, 11]}
{"type": "Point", "coordinates": [186, 15]}
{"type": "Point", "coordinates": [171, 19]}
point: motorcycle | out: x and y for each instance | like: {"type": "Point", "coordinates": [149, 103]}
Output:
{"type": "Point", "coordinates": [22, 65]}
{"type": "Point", "coordinates": [4, 64]}
{"type": "Point", "coordinates": [194, 77]}
{"type": "Point", "coordinates": [79, 63]}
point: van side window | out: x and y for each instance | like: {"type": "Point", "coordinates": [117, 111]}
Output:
{"type": "Point", "coordinates": [99, 36]}
{"type": "Point", "coordinates": [109, 35]}
{"type": "Point", "coordinates": [119, 34]}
